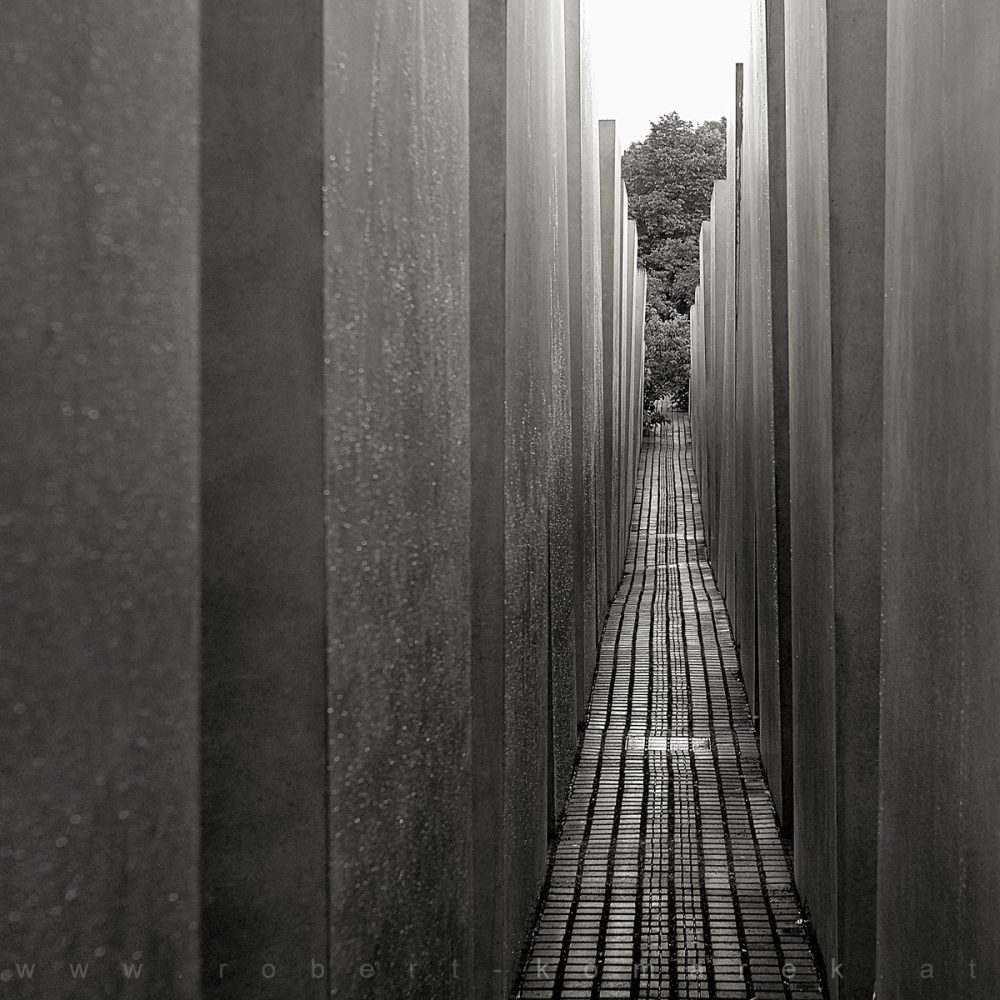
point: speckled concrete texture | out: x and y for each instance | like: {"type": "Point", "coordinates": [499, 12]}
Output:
{"type": "Point", "coordinates": [835, 69]}
{"type": "Point", "coordinates": [264, 670]}
{"type": "Point", "coordinates": [98, 514]}
{"type": "Point", "coordinates": [525, 716]}
{"type": "Point", "coordinates": [938, 880]}
{"type": "Point", "coordinates": [306, 528]}
{"type": "Point", "coordinates": [398, 512]}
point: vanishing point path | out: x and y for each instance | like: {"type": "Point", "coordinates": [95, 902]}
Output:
{"type": "Point", "coordinates": [669, 878]}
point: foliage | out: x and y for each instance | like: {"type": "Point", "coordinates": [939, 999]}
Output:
{"type": "Point", "coordinates": [668, 360]}
{"type": "Point", "coordinates": [669, 176]}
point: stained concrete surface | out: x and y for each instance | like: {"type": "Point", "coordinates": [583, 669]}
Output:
{"type": "Point", "coordinates": [487, 391]}
{"type": "Point", "coordinates": [939, 816]}
{"type": "Point", "coordinates": [835, 72]}
{"type": "Point", "coordinates": [98, 515]}
{"type": "Point", "coordinates": [519, 244]}
{"type": "Point", "coordinates": [398, 514]}
{"type": "Point", "coordinates": [352, 669]}
{"type": "Point", "coordinates": [264, 670]}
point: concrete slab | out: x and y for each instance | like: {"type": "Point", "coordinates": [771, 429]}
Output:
{"type": "Point", "coordinates": [99, 517]}
{"type": "Point", "coordinates": [834, 70]}
{"type": "Point", "coordinates": [939, 816]}
{"type": "Point", "coordinates": [520, 357]}
{"type": "Point", "coordinates": [612, 215]}
{"type": "Point", "coordinates": [263, 631]}
{"type": "Point", "coordinates": [724, 256]}
{"type": "Point", "coordinates": [585, 344]}
{"type": "Point", "coordinates": [712, 369]}
{"type": "Point", "coordinates": [399, 495]}
{"type": "Point", "coordinates": [764, 304]}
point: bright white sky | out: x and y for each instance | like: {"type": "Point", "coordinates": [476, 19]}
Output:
{"type": "Point", "coordinates": [651, 57]}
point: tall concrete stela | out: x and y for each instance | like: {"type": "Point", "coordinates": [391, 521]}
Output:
{"type": "Point", "coordinates": [322, 406]}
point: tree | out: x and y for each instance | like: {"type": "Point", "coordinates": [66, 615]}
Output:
{"type": "Point", "coordinates": [669, 176]}
{"type": "Point", "coordinates": [668, 360]}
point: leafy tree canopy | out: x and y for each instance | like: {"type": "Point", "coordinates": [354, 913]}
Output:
{"type": "Point", "coordinates": [669, 176]}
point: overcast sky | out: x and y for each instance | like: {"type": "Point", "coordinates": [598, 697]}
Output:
{"type": "Point", "coordinates": [651, 57]}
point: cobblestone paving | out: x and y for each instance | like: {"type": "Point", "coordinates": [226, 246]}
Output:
{"type": "Point", "coordinates": [669, 878]}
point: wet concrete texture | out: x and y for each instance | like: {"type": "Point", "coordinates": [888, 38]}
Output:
{"type": "Point", "coordinates": [764, 314]}
{"type": "Point", "coordinates": [938, 880]}
{"type": "Point", "coordinates": [99, 516]}
{"type": "Point", "coordinates": [835, 72]}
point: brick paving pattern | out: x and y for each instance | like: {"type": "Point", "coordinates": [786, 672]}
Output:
{"type": "Point", "coordinates": [669, 878]}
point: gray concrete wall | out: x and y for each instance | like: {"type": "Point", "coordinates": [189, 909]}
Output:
{"type": "Point", "coordinates": [513, 353]}
{"type": "Point", "coordinates": [308, 326]}
{"type": "Point", "coordinates": [583, 184]}
{"type": "Point", "coordinates": [612, 216]}
{"type": "Point", "coordinates": [566, 500]}
{"type": "Point", "coordinates": [336, 621]}
{"type": "Point", "coordinates": [835, 55]}
{"type": "Point", "coordinates": [488, 389]}
{"type": "Point", "coordinates": [723, 242]}
{"type": "Point", "coordinates": [264, 666]}
{"type": "Point", "coordinates": [740, 586]}
{"type": "Point", "coordinates": [764, 303]}
{"type": "Point", "coordinates": [397, 475]}
{"type": "Point", "coordinates": [592, 315]}
{"type": "Point", "coordinates": [99, 514]}
{"type": "Point", "coordinates": [939, 818]}
{"type": "Point", "coordinates": [710, 487]}
{"type": "Point", "coordinates": [804, 599]}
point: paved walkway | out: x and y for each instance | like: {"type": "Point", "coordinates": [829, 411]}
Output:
{"type": "Point", "coordinates": [669, 878]}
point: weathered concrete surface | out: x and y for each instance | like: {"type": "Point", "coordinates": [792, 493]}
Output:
{"type": "Point", "coordinates": [595, 542]}
{"type": "Point", "coordinates": [585, 342]}
{"type": "Point", "coordinates": [723, 242]}
{"type": "Point", "coordinates": [98, 515]}
{"type": "Point", "coordinates": [390, 599]}
{"type": "Point", "coordinates": [634, 409]}
{"type": "Point", "coordinates": [764, 307]}
{"type": "Point", "coordinates": [519, 341]}
{"type": "Point", "coordinates": [628, 383]}
{"type": "Point", "coordinates": [565, 493]}
{"type": "Point", "coordinates": [488, 393]}
{"type": "Point", "coordinates": [398, 508]}
{"type": "Point", "coordinates": [710, 487]}
{"type": "Point", "coordinates": [264, 670]}
{"type": "Point", "coordinates": [626, 376]}
{"type": "Point", "coordinates": [739, 417]}
{"type": "Point", "coordinates": [696, 392]}
{"type": "Point", "coordinates": [835, 71]}
{"type": "Point", "coordinates": [612, 216]}
{"type": "Point", "coordinates": [939, 819]}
